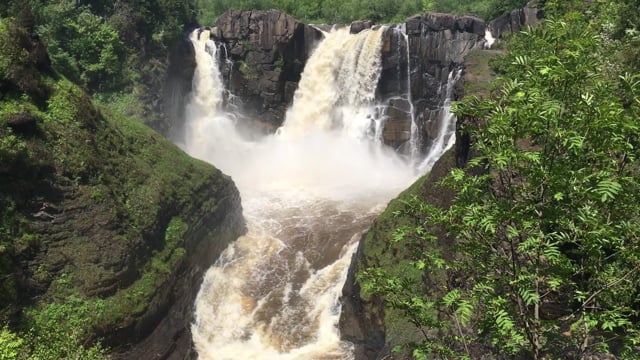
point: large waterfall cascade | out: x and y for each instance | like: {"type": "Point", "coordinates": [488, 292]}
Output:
{"type": "Point", "coordinates": [308, 192]}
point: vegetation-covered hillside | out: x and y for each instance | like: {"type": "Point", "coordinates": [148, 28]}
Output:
{"type": "Point", "coordinates": [117, 51]}
{"type": "Point", "coordinates": [99, 215]}
{"type": "Point", "coordinates": [537, 253]}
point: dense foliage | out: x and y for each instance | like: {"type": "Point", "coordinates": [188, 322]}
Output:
{"type": "Point", "coordinates": [545, 260]}
{"type": "Point", "coordinates": [111, 48]}
{"type": "Point", "coordinates": [339, 11]}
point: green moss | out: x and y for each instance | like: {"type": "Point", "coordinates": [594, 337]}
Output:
{"type": "Point", "coordinates": [478, 73]}
{"type": "Point", "coordinates": [134, 300]}
{"type": "Point", "coordinates": [248, 45]}
{"type": "Point", "coordinates": [390, 247]}
{"type": "Point", "coordinates": [379, 247]}
{"type": "Point", "coordinates": [393, 259]}
{"type": "Point", "coordinates": [247, 70]}
{"type": "Point", "coordinates": [279, 64]}
{"type": "Point", "coordinates": [58, 330]}
{"type": "Point", "coordinates": [120, 103]}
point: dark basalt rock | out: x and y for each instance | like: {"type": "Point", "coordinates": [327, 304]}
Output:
{"type": "Point", "coordinates": [23, 123]}
{"type": "Point", "coordinates": [364, 327]}
{"type": "Point", "coordinates": [360, 25]}
{"type": "Point", "coordinates": [432, 46]}
{"type": "Point", "coordinates": [263, 54]}
{"type": "Point", "coordinates": [176, 88]}
{"type": "Point", "coordinates": [516, 20]}
{"type": "Point", "coordinates": [164, 330]}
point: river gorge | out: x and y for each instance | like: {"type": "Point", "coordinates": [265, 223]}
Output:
{"type": "Point", "coordinates": [309, 191]}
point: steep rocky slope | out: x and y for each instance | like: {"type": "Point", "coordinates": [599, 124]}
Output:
{"type": "Point", "coordinates": [101, 216]}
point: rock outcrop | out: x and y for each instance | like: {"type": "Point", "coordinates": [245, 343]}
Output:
{"type": "Point", "coordinates": [437, 44]}
{"type": "Point", "coordinates": [516, 20]}
{"type": "Point", "coordinates": [163, 330]}
{"type": "Point", "coordinates": [263, 54]}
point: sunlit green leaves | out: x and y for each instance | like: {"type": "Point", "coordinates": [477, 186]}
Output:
{"type": "Point", "coordinates": [607, 189]}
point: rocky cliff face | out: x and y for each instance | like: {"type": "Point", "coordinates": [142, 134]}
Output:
{"type": "Point", "coordinates": [516, 20]}
{"type": "Point", "coordinates": [437, 44]}
{"type": "Point", "coordinates": [263, 54]}
{"type": "Point", "coordinates": [212, 221]}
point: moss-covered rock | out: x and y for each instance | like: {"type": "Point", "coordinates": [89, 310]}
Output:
{"type": "Point", "coordinates": [100, 213]}
{"type": "Point", "coordinates": [479, 74]}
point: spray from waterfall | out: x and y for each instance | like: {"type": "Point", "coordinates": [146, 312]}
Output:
{"type": "Point", "coordinates": [308, 192]}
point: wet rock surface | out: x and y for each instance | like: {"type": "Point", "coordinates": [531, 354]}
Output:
{"type": "Point", "coordinates": [262, 55]}
{"type": "Point", "coordinates": [417, 58]}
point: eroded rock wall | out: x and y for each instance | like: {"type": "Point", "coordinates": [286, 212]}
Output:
{"type": "Point", "coordinates": [262, 54]}
{"type": "Point", "coordinates": [437, 44]}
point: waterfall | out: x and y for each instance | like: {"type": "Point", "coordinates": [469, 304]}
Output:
{"type": "Point", "coordinates": [446, 136]}
{"type": "Point", "coordinates": [488, 38]}
{"type": "Point", "coordinates": [414, 140]}
{"type": "Point", "coordinates": [308, 193]}
{"type": "Point", "coordinates": [337, 90]}
{"type": "Point", "coordinates": [207, 84]}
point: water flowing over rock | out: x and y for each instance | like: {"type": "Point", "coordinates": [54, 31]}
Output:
{"type": "Point", "coordinates": [263, 53]}
{"type": "Point", "coordinates": [418, 57]}
{"type": "Point", "coordinates": [312, 177]}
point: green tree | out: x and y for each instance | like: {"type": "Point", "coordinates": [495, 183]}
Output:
{"type": "Point", "coordinates": [545, 222]}
{"type": "Point", "coordinates": [83, 46]}
{"type": "Point", "coordinates": [10, 345]}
